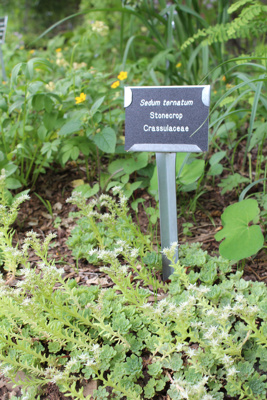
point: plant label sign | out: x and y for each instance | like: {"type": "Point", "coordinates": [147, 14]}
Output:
{"type": "Point", "coordinates": [3, 24]}
{"type": "Point", "coordinates": [166, 118]}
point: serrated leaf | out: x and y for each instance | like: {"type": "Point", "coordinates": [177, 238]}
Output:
{"type": "Point", "coordinates": [75, 153]}
{"type": "Point", "coordinates": [105, 140]}
{"type": "Point", "coordinates": [232, 181]}
{"type": "Point", "coordinates": [240, 239]}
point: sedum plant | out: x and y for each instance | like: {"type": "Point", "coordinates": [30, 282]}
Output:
{"type": "Point", "coordinates": [201, 337]}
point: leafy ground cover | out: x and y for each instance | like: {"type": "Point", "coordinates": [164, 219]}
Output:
{"type": "Point", "coordinates": [86, 313]}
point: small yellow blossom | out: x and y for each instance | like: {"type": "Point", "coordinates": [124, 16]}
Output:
{"type": "Point", "coordinates": [178, 65]}
{"type": "Point", "coordinates": [80, 99]}
{"type": "Point", "coordinates": [58, 50]}
{"type": "Point", "coordinates": [115, 84]}
{"type": "Point", "coordinates": [215, 92]}
{"type": "Point", "coordinates": [4, 82]}
{"type": "Point", "coordinates": [31, 51]}
{"type": "Point", "coordinates": [21, 47]}
{"type": "Point", "coordinates": [224, 78]}
{"type": "Point", "coordinates": [122, 75]}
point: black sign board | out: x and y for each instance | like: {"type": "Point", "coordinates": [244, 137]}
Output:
{"type": "Point", "coordinates": [166, 118]}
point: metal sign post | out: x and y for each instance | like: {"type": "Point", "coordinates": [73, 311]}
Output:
{"type": "Point", "coordinates": [167, 120]}
{"type": "Point", "coordinates": [3, 25]}
{"type": "Point", "coordinates": [167, 206]}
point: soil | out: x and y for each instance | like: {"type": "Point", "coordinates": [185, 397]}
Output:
{"type": "Point", "coordinates": [56, 186]}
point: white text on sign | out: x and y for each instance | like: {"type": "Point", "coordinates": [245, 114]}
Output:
{"type": "Point", "coordinates": [167, 103]}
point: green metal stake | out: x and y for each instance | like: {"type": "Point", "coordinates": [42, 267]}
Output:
{"type": "Point", "coordinates": [167, 207]}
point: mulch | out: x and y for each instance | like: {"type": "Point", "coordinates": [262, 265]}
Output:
{"type": "Point", "coordinates": [56, 187]}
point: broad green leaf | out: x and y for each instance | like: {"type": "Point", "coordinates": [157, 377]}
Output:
{"type": "Point", "coordinates": [75, 153]}
{"type": "Point", "coordinates": [15, 73]}
{"type": "Point", "coordinates": [192, 172]}
{"type": "Point", "coordinates": [153, 186]}
{"type": "Point", "coordinates": [41, 132]}
{"type": "Point", "coordinates": [105, 140]}
{"type": "Point", "coordinates": [50, 120]}
{"type": "Point", "coordinates": [215, 169]}
{"type": "Point", "coordinates": [9, 168]}
{"type": "Point", "coordinates": [129, 188]}
{"type": "Point", "coordinates": [217, 157]}
{"type": "Point", "coordinates": [16, 105]}
{"type": "Point", "coordinates": [225, 128]}
{"type": "Point", "coordinates": [258, 136]}
{"type": "Point", "coordinates": [240, 239]}
{"type": "Point", "coordinates": [48, 103]}
{"type": "Point", "coordinates": [12, 183]}
{"type": "Point", "coordinates": [70, 127]}
{"type": "Point", "coordinates": [97, 104]}
{"type": "Point", "coordinates": [87, 191]}
{"type": "Point", "coordinates": [3, 104]}
{"type": "Point", "coordinates": [135, 163]}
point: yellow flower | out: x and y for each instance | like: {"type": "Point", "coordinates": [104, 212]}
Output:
{"type": "Point", "coordinates": [80, 99]}
{"type": "Point", "coordinates": [122, 75]}
{"type": "Point", "coordinates": [58, 50]}
{"type": "Point", "coordinates": [115, 84]}
{"type": "Point", "coordinates": [224, 78]}
{"type": "Point", "coordinates": [31, 51]}
{"type": "Point", "coordinates": [178, 65]}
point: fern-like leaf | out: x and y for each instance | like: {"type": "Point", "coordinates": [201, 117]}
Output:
{"type": "Point", "coordinates": [250, 22]}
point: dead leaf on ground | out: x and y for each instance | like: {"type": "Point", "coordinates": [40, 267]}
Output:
{"type": "Point", "coordinates": [97, 281]}
{"type": "Point", "coordinates": [46, 215]}
{"type": "Point", "coordinates": [58, 206]}
{"type": "Point", "coordinates": [89, 388]}
{"type": "Point", "coordinates": [77, 182]}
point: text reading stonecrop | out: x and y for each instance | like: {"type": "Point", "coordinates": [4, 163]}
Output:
{"type": "Point", "coordinates": [163, 115]}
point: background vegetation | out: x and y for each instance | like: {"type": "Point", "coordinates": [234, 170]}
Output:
{"type": "Point", "coordinates": [63, 103]}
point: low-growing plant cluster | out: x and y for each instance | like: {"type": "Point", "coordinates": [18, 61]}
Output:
{"type": "Point", "coordinates": [201, 336]}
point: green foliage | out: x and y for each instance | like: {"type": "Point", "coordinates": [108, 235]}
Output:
{"type": "Point", "coordinates": [203, 336]}
{"type": "Point", "coordinates": [250, 22]}
{"type": "Point", "coordinates": [118, 335]}
{"type": "Point", "coordinates": [241, 240]}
